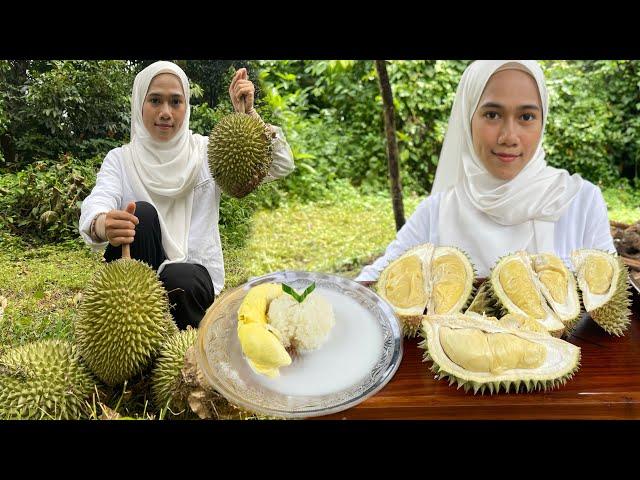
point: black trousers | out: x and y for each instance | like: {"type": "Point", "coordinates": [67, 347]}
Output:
{"type": "Point", "coordinates": [188, 285]}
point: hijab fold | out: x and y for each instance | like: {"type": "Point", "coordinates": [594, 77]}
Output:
{"type": "Point", "coordinates": [485, 216]}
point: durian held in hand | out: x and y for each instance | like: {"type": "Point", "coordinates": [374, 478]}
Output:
{"type": "Point", "coordinates": [483, 354]}
{"type": "Point", "coordinates": [123, 320]}
{"type": "Point", "coordinates": [438, 280]}
{"type": "Point", "coordinates": [240, 144]}
{"type": "Point", "coordinates": [274, 321]}
{"type": "Point", "coordinates": [538, 286]}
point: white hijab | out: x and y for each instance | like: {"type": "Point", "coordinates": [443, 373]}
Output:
{"type": "Point", "coordinates": [485, 216]}
{"type": "Point", "coordinates": [164, 173]}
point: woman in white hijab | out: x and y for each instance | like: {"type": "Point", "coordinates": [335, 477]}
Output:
{"type": "Point", "coordinates": [156, 193]}
{"type": "Point", "coordinates": [494, 192]}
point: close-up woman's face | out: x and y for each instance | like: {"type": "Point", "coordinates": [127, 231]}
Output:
{"type": "Point", "coordinates": [507, 124]}
{"type": "Point", "coordinates": [164, 107]}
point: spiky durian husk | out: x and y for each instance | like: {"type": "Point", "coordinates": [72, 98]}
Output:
{"type": "Point", "coordinates": [124, 319]}
{"type": "Point", "coordinates": [166, 376]}
{"type": "Point", "coordinates": [239, 154]}
{"type": "Point", "coordinates": [483, 302]}
{"type": "Point", "coordinates": [410, 325]}
{"type": "Point", "coordinates": [44, 380]}
{"type": "Point", "coordinates": [516, 385]}
{"type": "Point", "coordinates": [615, 316]}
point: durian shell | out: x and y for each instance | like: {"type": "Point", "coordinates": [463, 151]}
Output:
{"type": "Point", "coordinates": [123, 320]}
{"type": "Point", "coordinates": [45, 380]}
{"type": "Point", "coordinates": [503, 306]}
{"type": "Point", "coordinates": [239, 153]}
{"type": "Point", "coordinates": [568, 357]}
{"type": "Point", "coordinates": [611, 311]}
{"type": "Point", "coordinates": [166, 378]}
{"type": "Point", "coordinates": [410, 318]}
{"type": "Point", "coordinates": [571, 311]}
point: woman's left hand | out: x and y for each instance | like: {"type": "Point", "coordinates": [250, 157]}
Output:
{"type": "Point", "coordinates": [240, 87]}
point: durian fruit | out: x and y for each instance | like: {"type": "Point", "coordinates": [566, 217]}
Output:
{"type": "Point", "coordinates": [558, 285]}
{"type": "Point", "coordinates": [603, 279]}
{"type": "Point", "coordinates": [436, 279]}
{"type": "Point", "coordinates": [166, 389]}
{"type": "Point", "coordinates": [44, 380]}
{"type": "Point", "coordinates": [261, 343]}
{"type": "Point", "coordinates": [514, 288]}
{"type": "Point", "coordinates": [522, 322]}
{"type": "Point", "coordinates": [123, 320]}
{"type": "Point", "coordinates": [481, 355]}
{"type": "Point", "coordinates": [239, 153]}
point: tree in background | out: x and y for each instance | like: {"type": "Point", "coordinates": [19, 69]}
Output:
{"type": "Point", "coordinates": [392, 145]}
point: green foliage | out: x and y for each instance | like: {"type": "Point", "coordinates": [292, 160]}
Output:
{"type": "Point", "coordinates": [55, 107]}
{"type": "Point", "coordinates": [42, 202]}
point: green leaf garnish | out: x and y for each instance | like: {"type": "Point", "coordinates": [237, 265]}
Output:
{"type": "Point", "coordinates": [300, 298]}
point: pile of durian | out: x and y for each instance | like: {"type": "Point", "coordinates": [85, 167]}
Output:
{"type": "Point", "coordinates": [124, 333]}
{"type": "Point", "coordinates": [509, 335]}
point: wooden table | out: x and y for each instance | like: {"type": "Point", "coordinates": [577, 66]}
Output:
{"type": "Point", "coordinates": [607, 386]}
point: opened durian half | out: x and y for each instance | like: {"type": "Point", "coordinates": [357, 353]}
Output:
{"type": "Point", "coordinates": [603, 279]}
{"type": "Point", "coordinates": [534, 285]}
{"type": "Point", "coordinates": [481, 354]}
{"type": "Point", "coordinates": [436, 279]}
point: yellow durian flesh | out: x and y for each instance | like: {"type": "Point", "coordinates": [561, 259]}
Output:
{"type": "Point", "coordinates": [522, 322]}
{"type": "Point", "coordinates": [518, 286]}
{"type": "Point", "coordinates": [404, 285]}
{"type": "Point", "coordinates": [255, 303]}
{"type": "Point", "coordinates": [262, 348]}
{"type": "Point", "coordinates": [450, 279]}
{"type": "Point", "coordinates": [598, 274]}
{"type": "Point", "coordinates": [552, 274]}
{"type": "Point", "coordinates": [479, 351]}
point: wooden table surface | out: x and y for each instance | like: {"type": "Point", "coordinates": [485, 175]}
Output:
{"type": "Point", "coordinates": [607, 386]}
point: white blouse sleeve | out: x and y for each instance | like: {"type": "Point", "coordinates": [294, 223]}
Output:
{"type": "Point", "coordinates": [105, 196]}
{"type": "Point", "coordinates": [282, 163]}
{"type": "Point", "coordinates": [598, 230]}
{"type": "Point", "coordinates": [414, 232]}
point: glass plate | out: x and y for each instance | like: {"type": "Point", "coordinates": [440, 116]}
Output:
{"type": "Point", "coordinates": [362, 353]}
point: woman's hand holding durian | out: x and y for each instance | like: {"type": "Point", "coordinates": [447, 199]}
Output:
{"type": "Point", "coordinates": [117, 226]}
{"type": "Point", "coordinates": [240, 87]}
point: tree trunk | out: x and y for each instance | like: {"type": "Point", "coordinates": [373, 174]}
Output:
{"type": "Point", "coordinates": [392, 145]}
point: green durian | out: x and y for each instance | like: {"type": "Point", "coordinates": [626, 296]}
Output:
{"type": "Point", "coordinates": [438, 280]}
{"type": "Point", "coordinates": [239, 154]}
{"type": "Point", "coordinates": [166, 376]}
{"type": "Point", "coordinates": [603, 279]}
{"type": "Point", "coordinates": [44, 380]}
{"type": "Point", "coordinates": [481, 355]}
{"type": "Point", "coordinates": [123, 320]}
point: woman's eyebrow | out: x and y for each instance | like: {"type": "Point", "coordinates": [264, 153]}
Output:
{"type": "Point", "coordinates": [500, 106]}
{"type": "Point", "coordinates": [158, 94]}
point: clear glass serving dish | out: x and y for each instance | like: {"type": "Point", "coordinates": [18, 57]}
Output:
{"type": "Point", "coordinates": [361, 355]}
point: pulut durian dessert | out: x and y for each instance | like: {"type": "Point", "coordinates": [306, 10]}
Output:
{"type": "Point", "coordinates": [123, 320]}
{"type": "Point", "coordinates": [481, 354]}
{"type": "Point", "coordinates": [438, 280]}
{"type": "Point", "coordinates": [538, 286]}
{"type": "Point", "coordinates": [274, 322]}
{"type": "Point", "coordinates": [239, 153]}
{"type": "Point", "coordinates": [603, 279]}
